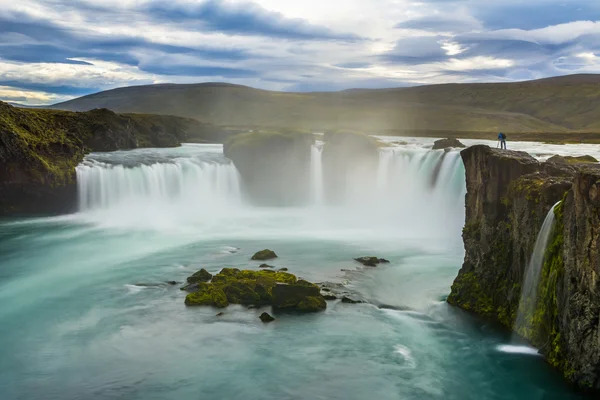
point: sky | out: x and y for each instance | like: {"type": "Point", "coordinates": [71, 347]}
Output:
{"type": "Point", "coordinates": [52, 51]}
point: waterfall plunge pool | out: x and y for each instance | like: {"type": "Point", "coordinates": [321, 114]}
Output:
{"type": "Point", "coordinates": [87, 314]}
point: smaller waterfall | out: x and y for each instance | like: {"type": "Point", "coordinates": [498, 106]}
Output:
{"type": "Point", "coordinates": [316, 173]}
{"type": "Point", "coordinates": [185, 184]}
{"type": "Point", "coordinates": [531, 282]}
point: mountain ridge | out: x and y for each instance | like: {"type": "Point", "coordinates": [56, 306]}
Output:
{"type": "Point", "coordinates": [558, 104]}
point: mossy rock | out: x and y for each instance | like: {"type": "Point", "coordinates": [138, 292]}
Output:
{"type": "Point", "coordinates": [247, 287]}
{"type": "Point", "coordinates": [371, 261]}
{"type": "Point", "coordinates": [241, 292]}
{"type": "Point", "coordinates": [264, 255]}
{"type": "Point", "coordinates": [266, 317]}
{"type": "Point", "coordinates": [200, 276]}
{"type": "Point", "coordinates": [302, 296]}
{"type": "Point", "coordinates": [312, 304]}
{"type": "Point", "coordinates": [207, 295]}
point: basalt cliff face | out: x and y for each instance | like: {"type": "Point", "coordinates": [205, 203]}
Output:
{"type": "Point", "coordinates": [39, 150]}
{"type": "Point", "coordinates": [508, 197]}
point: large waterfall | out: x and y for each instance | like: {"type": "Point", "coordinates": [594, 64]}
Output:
{"type": "Point", "coordinates": [531, 281]}
{"type": "Point", "coordinates": [413, 191]}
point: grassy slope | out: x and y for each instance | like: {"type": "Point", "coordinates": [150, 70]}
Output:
{"type": "Point", "coordinates": [558, 105]}
{"type": "Point", "coordinates": [44, 146]}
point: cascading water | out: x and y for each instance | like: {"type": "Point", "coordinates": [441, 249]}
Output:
{"type": "Point", "coordinates": [195, 184]}
{"type": "Point", "coordinates": [194, 181]}
{"type": "Point", "coordinates": [531, 281]}
{"type": "Point", "coordinates": [316, 173]}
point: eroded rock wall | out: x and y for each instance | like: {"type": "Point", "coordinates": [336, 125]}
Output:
{"type": "Point", "coordinates": [508, 197]}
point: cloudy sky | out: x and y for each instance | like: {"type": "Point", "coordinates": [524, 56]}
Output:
{"type": "Point", "coordinates": [54, 50]}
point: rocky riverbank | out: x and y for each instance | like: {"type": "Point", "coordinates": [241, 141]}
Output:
{"type": "Point", "coordinates": [39, 150]}
{"type": "Point", "coordinates": [508, 196]}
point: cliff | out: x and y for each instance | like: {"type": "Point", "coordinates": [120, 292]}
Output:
{"type": "Point", "coordinates": [39, 150]}
{"type": "Point", "coordinates": [508, 196]}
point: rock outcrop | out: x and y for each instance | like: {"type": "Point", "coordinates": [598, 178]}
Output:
{"type": "Point", "coordinates": [274, 166]}
{"type": "Point", "coordinates": [264, 255]}
{"type": "Point", "coordinates": [281, 290]}
{"type": "Point", "coordinates": [39, 150]}
{"type": "Point", "coordinates": [508, 196]}
{"type": "Point", "coordinates": [447, 143]}
{"type": "Point", "coordinates": [371, 261]}
{"type": "Point", "coordinates": [572, 159]}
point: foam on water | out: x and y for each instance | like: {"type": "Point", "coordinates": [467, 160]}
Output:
{"type": "Point", "coordinates": [512, 349]}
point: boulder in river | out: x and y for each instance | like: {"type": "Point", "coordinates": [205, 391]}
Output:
{"type": "Point", "coordinates": [264, 255]}
{"type": "Point", "coordinates": [349, 300]}
{"type": "Point", "coordinates": [207, 295]}
{"type": "Point", "coordinates": [266, 317]}
{"type": "Point", "coordinates": [265, 266]}
{"type": "Point", "coordinates": [301, 296]}
{"type": "Point", "coordinates": [371, 261]}
{"type": "Point", "coordinates": [447, 143]}
{"type": "Point", "coordinates": [265, 287]}
{"type": "Point", "coordinates": [200, 276]}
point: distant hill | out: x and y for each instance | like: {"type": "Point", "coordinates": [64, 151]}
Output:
{"type": "Point", "coordinates": [561, 104]}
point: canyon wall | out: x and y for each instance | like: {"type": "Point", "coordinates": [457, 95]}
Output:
{"type": "Point", "coordinates": [509, 194]}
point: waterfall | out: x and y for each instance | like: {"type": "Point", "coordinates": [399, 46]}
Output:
{"type": "Point", "coordinates": [416, 192]}
{"type": "Point", "coordinates": [531, 280]}
{"type": "Point", "coordinates": [316, 173]}
{"type": "Point", "coordinates": [185, 183]}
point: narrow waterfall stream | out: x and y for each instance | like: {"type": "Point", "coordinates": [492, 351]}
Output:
{"type": "Point", "coordinates": [531, 279]}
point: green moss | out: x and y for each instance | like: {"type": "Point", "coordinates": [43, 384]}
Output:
{"type": "Point", "coordinates": [312, 304]}
{"type": "Point", "coordinates": [472, 230]}
{"type": "Point", "coordinates": [241, 292]}
{"type": "Point", "coordinates": [264, 255]}
{"type": "Point", "coordinates": [468, 294]}
{"type": "Point", "coordinates": [531, 187]}
{"type": "Point", "coordinates": [200, 276]}
{"type": "Point", "coordinates": [207, 295]}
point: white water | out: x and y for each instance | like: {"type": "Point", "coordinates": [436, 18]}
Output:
{"type": "Point", "coordinates": [413, 194]}
{"type": "Point", "coordinates": [316, 173]}
{"type": "Point", "coordinates": [533, 272]}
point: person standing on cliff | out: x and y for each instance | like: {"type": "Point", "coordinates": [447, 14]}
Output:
{"type": "Point", "coordinates": [502, 140]}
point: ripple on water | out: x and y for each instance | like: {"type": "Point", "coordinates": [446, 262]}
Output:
{"type": "Point", "coordinates": [406, 355]}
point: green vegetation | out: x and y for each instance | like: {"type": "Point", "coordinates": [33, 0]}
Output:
{"type": "Point", "coordinates": [554, 110]}
{"type": "Point", "coordinates": [248, 287]}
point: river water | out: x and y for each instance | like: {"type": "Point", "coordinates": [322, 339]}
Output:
{"type": "Point", "coordinates": [87, 313]}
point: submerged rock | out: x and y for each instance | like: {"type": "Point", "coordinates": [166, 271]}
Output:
{"type": "Point", "coordinates": [264, 255]}
{"type": "Point", "coordinates": [329, 297]}
{"type": "Point", "coordinates": [220, 314]}
{"type": "Point", "coordinates": [172, 283]}
{"type": "Point", "coordinates": [371, 261]}
{"type": "Point", "coordinates": [348, 300]}
{"type": "Point", "coordinates": [200, 276]}
{"type": "Point", "coordinates": [266, 266]}
{"type": "Point", "coordinates": [283, 269]}
{"type": "Point", "coordinates": [265, 317]}
{"type": "Point", "coordinates": [446, 143]}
